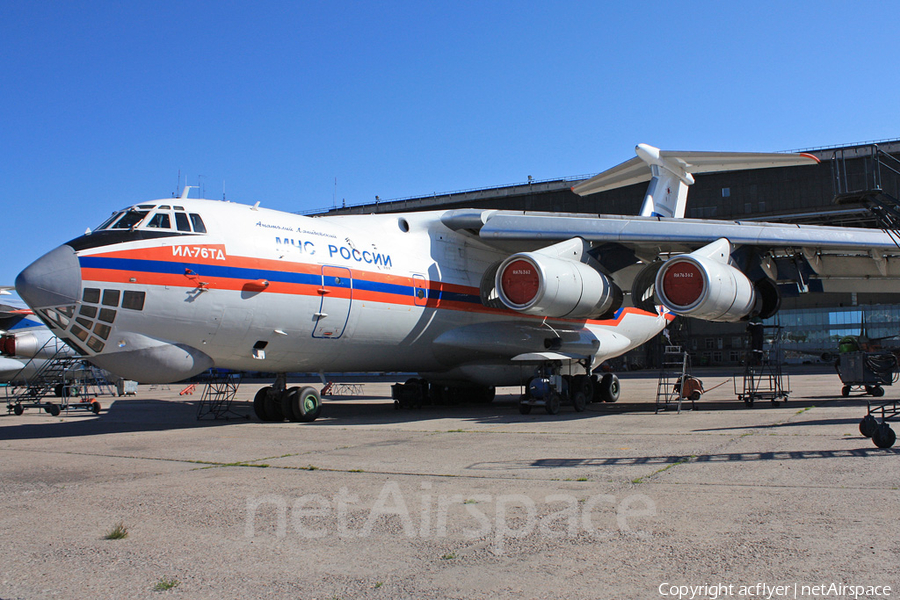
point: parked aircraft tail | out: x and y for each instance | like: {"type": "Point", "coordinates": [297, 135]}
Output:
{"type": "Point", "coordinates": [670, 174]}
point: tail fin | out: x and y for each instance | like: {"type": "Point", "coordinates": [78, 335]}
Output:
{"type": "Point", "coordinates": [670, 174]}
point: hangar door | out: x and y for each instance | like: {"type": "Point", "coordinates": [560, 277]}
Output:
{"type": "Point", "coordinates": [337, 294]}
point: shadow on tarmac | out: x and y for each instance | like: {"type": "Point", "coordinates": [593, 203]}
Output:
{"type": "Point", "coordinates": [544, 463]}
{"type": "Point", "coordinates": [127, 415]}
{"type": "Point", "coordinates": [124, 416]}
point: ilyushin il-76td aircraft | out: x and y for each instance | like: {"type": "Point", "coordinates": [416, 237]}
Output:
{"type": "Point", "coordinates": [469, 299]}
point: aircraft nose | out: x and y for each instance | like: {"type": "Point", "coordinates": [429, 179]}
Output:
{"type": "Point", "coordinates": [52, 280]}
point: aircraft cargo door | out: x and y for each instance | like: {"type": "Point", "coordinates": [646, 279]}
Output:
{"type": "Point", "coordinates": [336, 293]}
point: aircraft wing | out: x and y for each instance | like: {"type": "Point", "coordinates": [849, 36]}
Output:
{"type": "Point", "coordinates": [838, 255]}
{"type": "Point", "coordinates": [670, 234]}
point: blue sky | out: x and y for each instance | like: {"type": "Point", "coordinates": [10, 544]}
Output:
{"type": "Point", "coordinates": [104, 103]}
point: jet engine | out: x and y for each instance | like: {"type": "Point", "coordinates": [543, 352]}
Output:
{"type": "Point", "coordinates": [550, 283]}
{"type": "Point", "coordinates": [40, 344]}
{"type": "Point", "coordinates": [704, 285]}
{"type": "Point", "coordinates": [8, 345]}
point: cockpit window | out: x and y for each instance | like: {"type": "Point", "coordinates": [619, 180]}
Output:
{"type": "Point", "coordinates": [181, 221]}
{"type": "Point", "coordinates": [160, 221]}
{"type": "Point", "coordinates": [199, 227]}
{"type": "Point", "coordinates": [130, 219]}
{"type": "Point", "coordinates": [109, 221]}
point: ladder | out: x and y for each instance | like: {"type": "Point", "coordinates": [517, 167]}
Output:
{"type": "Point", "coordinates": [218, 394]}
{"type": "Point", "coordinates": [675, 370]}
{"type": "Point", "coordinates": [52, 377]}
{"type": "Point", "coordinates": [63, 375]}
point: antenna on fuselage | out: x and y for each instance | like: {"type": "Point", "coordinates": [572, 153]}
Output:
{"type": "Point", "coordinates": [184, 192]}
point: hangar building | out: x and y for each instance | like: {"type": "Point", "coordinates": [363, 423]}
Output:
{"type": "Point", "coordinates": [855, 186]}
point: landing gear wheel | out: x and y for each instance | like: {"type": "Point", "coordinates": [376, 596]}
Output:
{"type": "Point", "coordinates": [273, 408]}
{"type": "Point", "coordinates": [310, 404]}
{"type": "Point", "coordinates": [524, 409]}
{"type": "Point", "coordinates": [878, 391]}
{"type": "Point", "coordinates": [583, 384]}
{"type": "Point", "coordinates": [554, 402]}
{"type": "Point", "coordinates": [483, 395]}
{"type": "Point", "coordinates": [868, 425]}
{"type": "Point", "coordinates": [290, 404]}
{"type": "Point", "coordinates": [609, 388]}
{"type": "Point", "coordinates": [884, 436]}
{"type": "Point", "coordinates": [53, 409]}
{"type": "Point", "coordinates": [260, 402]}
{"type": "Point", "coordinates": [18, 410]}
{"type": "Point", "coordinates": [845, 391]}
{"type": "Point", "coordinates": [579, 401]}
{"type": "Point", "coordinates": [95, 407]}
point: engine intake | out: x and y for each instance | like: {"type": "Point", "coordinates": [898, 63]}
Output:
{"type": "Point", "coordinates": [538, 284]}
{"type": "Point", "coordinates": [704, 286]}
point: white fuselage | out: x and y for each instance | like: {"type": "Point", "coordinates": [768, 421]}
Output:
{"type": "Point", "coordinates": [269, 291]}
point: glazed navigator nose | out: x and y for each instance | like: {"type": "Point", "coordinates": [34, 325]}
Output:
{"type": "Point", "coordinates": [52, 280]}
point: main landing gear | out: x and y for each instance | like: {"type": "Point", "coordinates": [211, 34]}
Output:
{"type": "Point", "coordinates": [278, 402]}
{"type": "Point", "coordinates": [416, 393]}
{"type": "Point", "coordinates": [551, 390]}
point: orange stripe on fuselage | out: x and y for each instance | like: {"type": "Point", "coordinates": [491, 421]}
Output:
{"type": "Point", "coordinates": [191, 279]}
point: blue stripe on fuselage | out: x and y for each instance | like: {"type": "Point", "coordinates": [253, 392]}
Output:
{"type": "Point", "coordinates": [227, 272]}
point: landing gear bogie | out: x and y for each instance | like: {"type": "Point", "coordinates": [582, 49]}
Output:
{"type": "Point", "coordinates": [295, 404]}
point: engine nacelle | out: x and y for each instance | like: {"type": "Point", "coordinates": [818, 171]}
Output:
{"type": "Point", "coordinates": [29, 345]}
{"type": "Point", "coordinates": [704, 286]}
{"type": "Point", "coordinates": [538, 284]}
{"type": "Point", "coordinates": [8, 345]}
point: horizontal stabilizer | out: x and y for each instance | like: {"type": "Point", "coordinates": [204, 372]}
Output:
{"type": "Point", "coordinates": [638, 169]}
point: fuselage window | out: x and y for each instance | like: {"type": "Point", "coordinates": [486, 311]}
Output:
{"type": "Point", "coordinates": [130, 219]}
{"type": "Point", "coordinates": [199, 227]}
{"type": "Point", "coordinates": [160, 221]}
{"type": "Point", "coordinates": [91, 295]}
{"type": "Point", "coordinates": [181, 221]}
{"type": "Point", "coordinates": [133, 300]}
{"type": "Point", "coordinates": [111, 297]}
{"type": "Point", "coordinates": [102, 330]}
